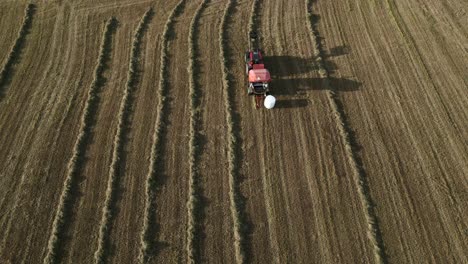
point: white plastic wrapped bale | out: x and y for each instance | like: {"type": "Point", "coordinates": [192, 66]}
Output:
{"type": "Point", "coordinates": [269, 102]}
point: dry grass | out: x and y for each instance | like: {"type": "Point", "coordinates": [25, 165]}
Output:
{"type": "Point", "coordinates": [374, 232]}
{"type": "Point", "coordinates": [13, 57]}
{"type": "Point", "coordinates": [147, 240]}
{"type": "Point", "coordinates": [254, 15]}
{"type": "Point", "coordinates": [79, 148]}
{"type": "Point", "coordinates": [193, 204]}
{"type": "Point", "coordinates": [119, 140]}
{"type": "Point", "coordinates": [234, 193]}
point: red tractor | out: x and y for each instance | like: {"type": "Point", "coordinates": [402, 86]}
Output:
{"type": "Point", "coordinates": [259, 76]}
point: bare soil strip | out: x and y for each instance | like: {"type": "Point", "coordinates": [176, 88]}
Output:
{"type": "Point", "coordinates": [76, 161]}
{"type": "Point", "coordinates": [14, 55]}
{"type": "Point", "coordinates": [119, 140]}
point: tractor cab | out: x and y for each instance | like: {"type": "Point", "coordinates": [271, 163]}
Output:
{"type": "Point", "coordinates": [254, 57]}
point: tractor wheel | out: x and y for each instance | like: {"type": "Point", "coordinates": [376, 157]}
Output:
{"type": "Point", "coordinates": [258, 101]}
{"type": "Point", "coordinates": [249, 90]}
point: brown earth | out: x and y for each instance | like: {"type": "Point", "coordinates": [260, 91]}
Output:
{"type": "Point", "coordinates": [399, 72]}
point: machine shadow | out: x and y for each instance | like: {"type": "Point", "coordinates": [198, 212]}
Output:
{"type": "Point", "coordinates": [286, 65]}
{"type": "Point", "coordinates": [290, 66]}
{"type": "Point", "coordinates": [300, 86]}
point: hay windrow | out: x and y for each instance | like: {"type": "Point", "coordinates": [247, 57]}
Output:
{"type": "Point", "coordinates": [76, 161]}
{"type": "Point", "coordinates": [193, 203]}
{"type": "Point", "coordinates": [254, 15]}
{"type": "Point", "coordinates": [119, 140]}
{"type": "Point", "coordinates": [13, 57]}
{"type": "Point", "coordinates": [147, 237]}
{"type": "Point", "coordinates": [234, 192]}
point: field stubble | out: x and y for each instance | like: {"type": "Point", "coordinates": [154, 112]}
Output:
{"type": "Point", "coordinates": [357, 116]}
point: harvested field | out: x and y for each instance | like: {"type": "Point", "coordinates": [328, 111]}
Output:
{"type": "Point", "coordinates": [127, 134]}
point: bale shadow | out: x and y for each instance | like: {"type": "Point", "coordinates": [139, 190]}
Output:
{"type": "Point", "coordinates": [292, 103]}
{"type": "Point", "coordinates": [337, 51]}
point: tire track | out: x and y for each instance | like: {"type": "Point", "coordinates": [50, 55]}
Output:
{"type": "Point", "coordinates": [13, 57]}
{"type": "Point", "coordinates": [235, 197]}
{"type": "Point", "coordinates": [194, 204]}
{"type": "Point", "coordinates": [147, 239]}
{"type": "Point", "coordinates": [119, 140]}
{"type": "Point", "coordinates": [368, 204]}
{"type": "Point", "coordinates": [77, 159]}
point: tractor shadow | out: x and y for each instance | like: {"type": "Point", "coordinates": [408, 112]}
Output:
{"type": "Point", "coordinates": [291, 88]}
{"type": "Point", "coordinates": [289, 66]}
{"type": "Point", "coordinates": [301, 86]}
{"type": "Point", "coordinates": [287, 77]}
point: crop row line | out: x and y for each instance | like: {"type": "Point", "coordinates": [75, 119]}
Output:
{"type": "Point", "coordinates": [13, 56]}
{"type": "Point", "coordinates": [193, 203]}
{"type": "Point", "coordinates": [119, 140]}
{"type": "Point", "coordinates": [373, 228]}
{"type": "Point", "coordinates": [77, 159]}
{"type": "Point", "coordinates": [234, 192]}
{"type": "Point", "coordinates": [146, 237]}
{"type": "Point", "coordinates": [253, 15]}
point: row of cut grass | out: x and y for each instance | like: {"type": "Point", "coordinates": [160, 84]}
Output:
{"type": "Point", "coordinates": [234, 192]}
{"type": "Point", "coordinates": [147, 235]}
{"type": "Point", "coordinates": [119, 140]}
{"type": "Point", "coordinates": [77, 159]}
{"type": "Point", "coordinates": [13, 57]}
{"type": "Point", "coordinates": [253, 16]}
{"type": "Point", "coordinates": [194, 201]}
